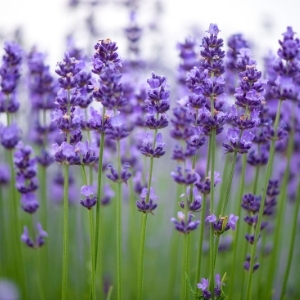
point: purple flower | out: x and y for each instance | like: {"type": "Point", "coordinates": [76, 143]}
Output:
{"type": "Point", "coordinates": [203, 286]}
{"type": "Point", "coordinates": [123, 177]}
{"type": "Point", "coordinates": [29, 202]}
{"type": "Point", "coordinates": [144, 205]}
{"type": "Point", "coordinates": [223, 223]}
{"type": "Point", "coordinates": [66, 154]}
{"type": "Point", "coordinates": [4, 174]}
{"type": "Point", "coordinates": [147, 146]}
{"type": "Point", "coordinates": [117, 129]}
{"type": "Point", "coordinates": [90, 199]}
{"type": "Point", "coordinates": [194, 204]}
{"type": "Point", "coordinates": [10, 136]}
{"type": "Point", "coordinates": [240, 142]}
{"type": "Point", "coordinates": [26, 239]}
{"type": "Point", "coordinates": [10, 74]}
{"type": "Point", "coordinates": [185, 225]}
{"type": "Point", "coordinates": [40, 238]}
{"type": "Point", "coordinates": [86, 152]}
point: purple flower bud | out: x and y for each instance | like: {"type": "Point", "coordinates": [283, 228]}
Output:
{"type": "Point", "coordinates": [29, 203]}
{"type": "Point", "coordinates": [10, 136]}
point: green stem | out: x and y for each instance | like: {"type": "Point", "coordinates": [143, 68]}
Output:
{"type": "Point", "coordinates": [41, 284]}
{"type": "Point", "coordinates": [201, 231]}
{"type": "Point", "coordinates": [212, 195]}
{"type": "Point", "coordinates": [184, 290]}
{"type": "Point", "coordinates": [65, 233]}
{"type": "Point", "coordinates": [142, 253]}
{"type": "Point", "coordinates": [281, 210]}
{"type": "Point", "coordinates": [238, 229]}
{"type": "Point", "coordinates": [119, 221]}
{"type": "Point", "coordinates": [227, 192]}
{"type": "Point", "coordinates": [98, 205]}
{"type": "Point", "coordinates": [92, 238]}
{"type": "Point", "coordinates": [255, 184]}
{"type": "Point", "coordinates": [292, 243]}
{"type": "Point", "coordinates": [263, 201]}
{"type": "Point", "coordinates": [144, 226]}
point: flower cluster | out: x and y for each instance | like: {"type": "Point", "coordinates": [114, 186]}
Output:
{"type": "Point", "coordinates": [39, 240]}
{"type": "Point", "coordinates": [223, 223]}
{"type": "Point", "coordinates": [26, 180]}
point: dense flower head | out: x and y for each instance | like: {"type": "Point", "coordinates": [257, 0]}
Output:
{"type": "Point", "coordinates": [182, 122]}
{"type": "Point", "coordinates": [251, 202]}
{"type": "Point", "coordinates": [42, 86]}
{"type": "Point", "coordinates": [10, 68]}
{"type": "Point", "coordinates": [256, 158]}
{"type": "Point", "coordinates": [147, 203]}
{"type": "Point", "coordinates": [106, 56]}
{"type": "Point", "coordinates": [90, 198]}
{"type": "Point", "coordinates": [203, 286]}
{"type": "Point", "coordinates": [211, 53]}
{"type": "Point", "coordinates": [235, 42]}
{"type": "Point", "coordinates": [10, 136]}
{"type": "Point", "coordinates": [183, 224]}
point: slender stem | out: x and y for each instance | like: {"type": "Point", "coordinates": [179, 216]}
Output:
{"type": "Point", "coordinates": [142, 253]}
{"type": "Point", "coordinates": [263, 201]}
{"type": "Point", "coordinates": [109, 292]}
{"type": "Point", "coordinates": [212, 195]}
{"type": "Point", "coordinates": [41, 284]}
{"type": "Point", "coordinates": [292, 243]}
{"type": "Point", "coordinates": [98, 205]}
{"type": "Point", "coordinates": [119, 221]}
{"type": "Point", "coordinates": [227, 192]}
{"type": "Point", "coordinates": [238, 228]}
{"type": "Point", "coordinates": [143, 230]}
{"type": "Point", "coordinates": [255, 184]}
{"type": "Point", "coordinates": [184, 290]}
{"type": "Point", "coordinates": [92, 238]}
{"type": "Point", "coordinates": [281, 209]}
{"type": "Point", "coordinates": [66, 233]}
{"type": "Point", "coordinates": [201, 231]}
{"type": "Point", "coordinates": [224, 180]}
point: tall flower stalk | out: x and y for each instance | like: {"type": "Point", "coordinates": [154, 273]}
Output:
{"type": "Point", "coordinates": [152, 146]}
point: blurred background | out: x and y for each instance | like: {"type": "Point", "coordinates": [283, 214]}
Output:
{"type": "Point", "coordinates": [47, 24]}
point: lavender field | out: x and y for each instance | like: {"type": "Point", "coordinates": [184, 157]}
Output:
{"type": "Point", "coordinates": [130, 173]}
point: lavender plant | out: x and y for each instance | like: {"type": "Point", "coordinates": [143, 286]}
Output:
{"type": "Point", "coordinates": [235, 235]}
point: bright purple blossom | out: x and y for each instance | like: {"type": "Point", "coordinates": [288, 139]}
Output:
{"type": "Point", "coordinates": [10, 136]}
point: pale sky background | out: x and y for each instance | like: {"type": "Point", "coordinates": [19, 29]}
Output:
{"type": "Point", "coordinates": [46, 23]}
